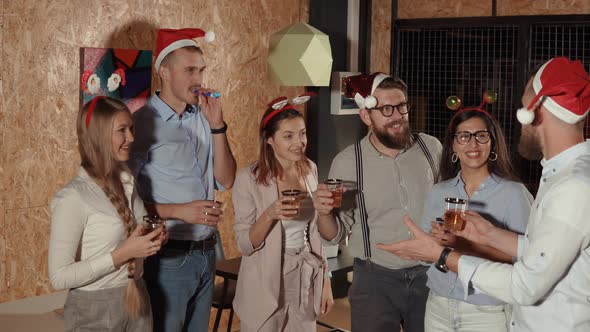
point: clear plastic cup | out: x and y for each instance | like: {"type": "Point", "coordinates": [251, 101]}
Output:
{"type": "Point", "coordinates": [336, 187]}
{"type": "Point", "coordinates": [454, 213]}
{"type": "Point", "coordinates": [295, 194]}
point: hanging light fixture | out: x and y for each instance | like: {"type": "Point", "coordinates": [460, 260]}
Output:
{"type": "Point", "coordinates": [300, 55]}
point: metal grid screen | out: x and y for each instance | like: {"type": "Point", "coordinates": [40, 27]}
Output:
{"type": "Point", "coordinates": [546, 42]}
{"type": "Point", "coordinates": [439, 62]}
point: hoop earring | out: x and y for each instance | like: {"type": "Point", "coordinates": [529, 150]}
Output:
{"type": "Point", "coordinates": [495, 156]}
{"type": "Point", "coordinates": [454, 157]}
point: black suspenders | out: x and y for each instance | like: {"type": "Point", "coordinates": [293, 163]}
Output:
{"type": "Point", "coordinates": [360, 186]}
{"type": "Point", "coordinates": [427, 154]}
{"type": "Point", "coordinates": [361, 199]}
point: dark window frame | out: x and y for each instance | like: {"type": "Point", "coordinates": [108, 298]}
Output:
{"type": "Point", "coordinates": [524, 26]}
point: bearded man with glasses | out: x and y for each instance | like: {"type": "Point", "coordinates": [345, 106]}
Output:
{"type": "Point", "coordinates": [392, 170]}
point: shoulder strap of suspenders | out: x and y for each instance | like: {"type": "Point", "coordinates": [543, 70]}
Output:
{"type": "Point", "coordinates": [360, 187]}
{"type": "Point", "coordinates": [361, 199]}
{"type": "Point", "coordinates": [427, 154]}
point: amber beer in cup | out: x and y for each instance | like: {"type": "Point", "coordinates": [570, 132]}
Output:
{"type": "Point", "coordinates": [151, 223]}
{"type": "Point", "coordinates": [454, 213]}
{"type": "Point", "coordinates": [294, 202]}
{"type": "Point", "coordinates": [217, 204]}
{"type": "Point", "coordinates": [335, 186]}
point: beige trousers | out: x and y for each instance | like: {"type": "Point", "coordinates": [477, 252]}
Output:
{"type": "Point", "coordinates": [103, 310]}
{"type": "Point", "coordinates": [295, 312]}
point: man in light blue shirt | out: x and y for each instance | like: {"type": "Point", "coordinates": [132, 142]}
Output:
{"type": "Point", "coordinates": [548, 284]}
{"type": "Point", "coordinates": [180, 155]}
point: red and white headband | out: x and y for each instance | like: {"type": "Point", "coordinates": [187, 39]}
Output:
{"type": "Point", "coordinates": [282, 104]}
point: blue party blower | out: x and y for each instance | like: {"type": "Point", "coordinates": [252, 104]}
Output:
{"type": "Point", "coordinates": [208, 94]}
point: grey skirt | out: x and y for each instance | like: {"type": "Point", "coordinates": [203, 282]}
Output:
{"type": "Point", "coordinates": [104, 310]}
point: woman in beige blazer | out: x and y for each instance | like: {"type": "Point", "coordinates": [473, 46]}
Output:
{"type": "Point", "coordinates": [283, 282]}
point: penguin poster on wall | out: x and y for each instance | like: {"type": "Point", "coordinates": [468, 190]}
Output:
{"type": "Point", "coordinates": [118, 73]}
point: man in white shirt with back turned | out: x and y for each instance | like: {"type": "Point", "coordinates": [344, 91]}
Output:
{"type": "Point", "coordinates": [549, 284]}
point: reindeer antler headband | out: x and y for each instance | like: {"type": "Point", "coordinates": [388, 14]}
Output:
{"type": "Point", "coordinates": [282, 104]}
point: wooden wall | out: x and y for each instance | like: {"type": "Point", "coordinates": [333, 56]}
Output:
{"type": "Point", "coordinates": [39, 69]}
{"type": "Point", "coordinates": [39, 79]}
{"type": "Point", "coordinates": [408, 9]}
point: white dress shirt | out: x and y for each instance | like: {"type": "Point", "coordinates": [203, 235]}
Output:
{"type": "Point", "coordinates": [549, 285]}
{"type": "Point", "coordinates": [85, 229]}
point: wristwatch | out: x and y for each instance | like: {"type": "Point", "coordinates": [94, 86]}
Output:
{"type": "Point", "coordinates": [441, 264]}
{"type": "Point", "coordinates": [221, 130]}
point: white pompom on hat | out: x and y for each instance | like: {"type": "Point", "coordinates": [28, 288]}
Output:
{"type": "Point", "coordinates": [562, 86]}
{"type": "Point", "coordinates": [170, 40]}
{"type": "Point", "coordinates": [361, 88]}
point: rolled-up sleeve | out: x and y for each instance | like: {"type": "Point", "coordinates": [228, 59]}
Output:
{"type": "Point", "coordinates": [467, 267]}
{"type": "Point", "coordinates": [244, 212]}
{"type": "Point", "coordinates": [345, 214]}
{"type": "Point", "coordinates": [68, 220]}
{"type": "Point", "coordinates": [521, 245]}
{"type": "Point", "coordinates": [554, 242]}
{"type": "Point", "coordinates": [336, 240]}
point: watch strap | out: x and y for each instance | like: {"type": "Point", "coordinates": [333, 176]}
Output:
{"type": "Point", "coordinates": [441, 264]}
{"type": "Point", "coordinates": [221, 130]}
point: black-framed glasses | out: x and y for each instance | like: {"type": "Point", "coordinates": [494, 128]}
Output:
{"type": "Point", "coordinates": [387, 110]}
{"type": "Point", "coordinates": [464, 137]}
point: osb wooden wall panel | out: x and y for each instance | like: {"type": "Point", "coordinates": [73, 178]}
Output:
{"type": "Point", "coordinates": [380, 35]}
{"type": "Point", "coordinates": [452, 8]}
{"type": "Point", "coordinates": [543, 7]}
{"type": "Point", "coordinates": [39, 69]}
{"type": "Point", "coordinates": [26, 246]}
{"type": "Point", "coordinates": [407, 9]}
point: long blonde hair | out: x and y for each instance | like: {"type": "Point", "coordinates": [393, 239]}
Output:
{"type": "Point", "coordinates": [94, 143]}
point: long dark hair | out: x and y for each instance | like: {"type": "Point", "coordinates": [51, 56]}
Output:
{"type": "Point", "coordinates": [501, 167]}
{"type": "Point", "coordinates": [268, 166]}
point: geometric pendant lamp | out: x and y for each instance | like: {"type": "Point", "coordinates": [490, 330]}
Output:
{"type": "Point", "coordinates": [300, 55]}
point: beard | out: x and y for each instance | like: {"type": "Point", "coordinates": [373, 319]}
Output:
{"type": "Point", "coordinates": [397, 141]}
{"type": "Point", "coordinates": [529, 146]}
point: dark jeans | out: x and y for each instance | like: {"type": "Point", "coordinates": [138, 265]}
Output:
{"type": "Point", "coordinates": [382, 299]}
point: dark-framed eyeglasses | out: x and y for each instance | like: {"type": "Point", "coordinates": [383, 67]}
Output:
{"type": "Point", "coordinates": [464, 137]}
{"type": "Point", "coordinates": [387, 110]}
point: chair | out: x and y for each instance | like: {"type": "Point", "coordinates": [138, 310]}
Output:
{"type": "Point", "coordinates": [223, 294]}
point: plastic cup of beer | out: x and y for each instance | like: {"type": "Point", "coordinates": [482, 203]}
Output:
{"type": "Point", "coordinates": [295, 196]}
{"type": "Point", "coordinates": [454, 213]}
{"type": "Point", "coordinates": [151, 223]}
{"type": "Point", "coordinates": [217, 204]}
{"type": "Point", "coordinates": [336, 187]}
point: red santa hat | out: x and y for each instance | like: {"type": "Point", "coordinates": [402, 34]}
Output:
{"type": "Point", "coordinates": [361, 88]}
{"type": "Point", "coordinates": [170, 40]}
{"type": "Point", "coordinates": [563, 87]}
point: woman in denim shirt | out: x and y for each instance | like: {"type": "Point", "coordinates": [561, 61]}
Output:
{"type": "Point", "coordinates": [475, 166]}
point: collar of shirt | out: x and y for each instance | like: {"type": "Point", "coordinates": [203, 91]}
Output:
{"type": "Point", "coordinates": [126, 179]}
{"type": "Point", "coordinates": [165, 111]}
{"type": "Point", "coordinates": [490, 182]}
{"type": "Point", "coordinates": [555, 164]}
